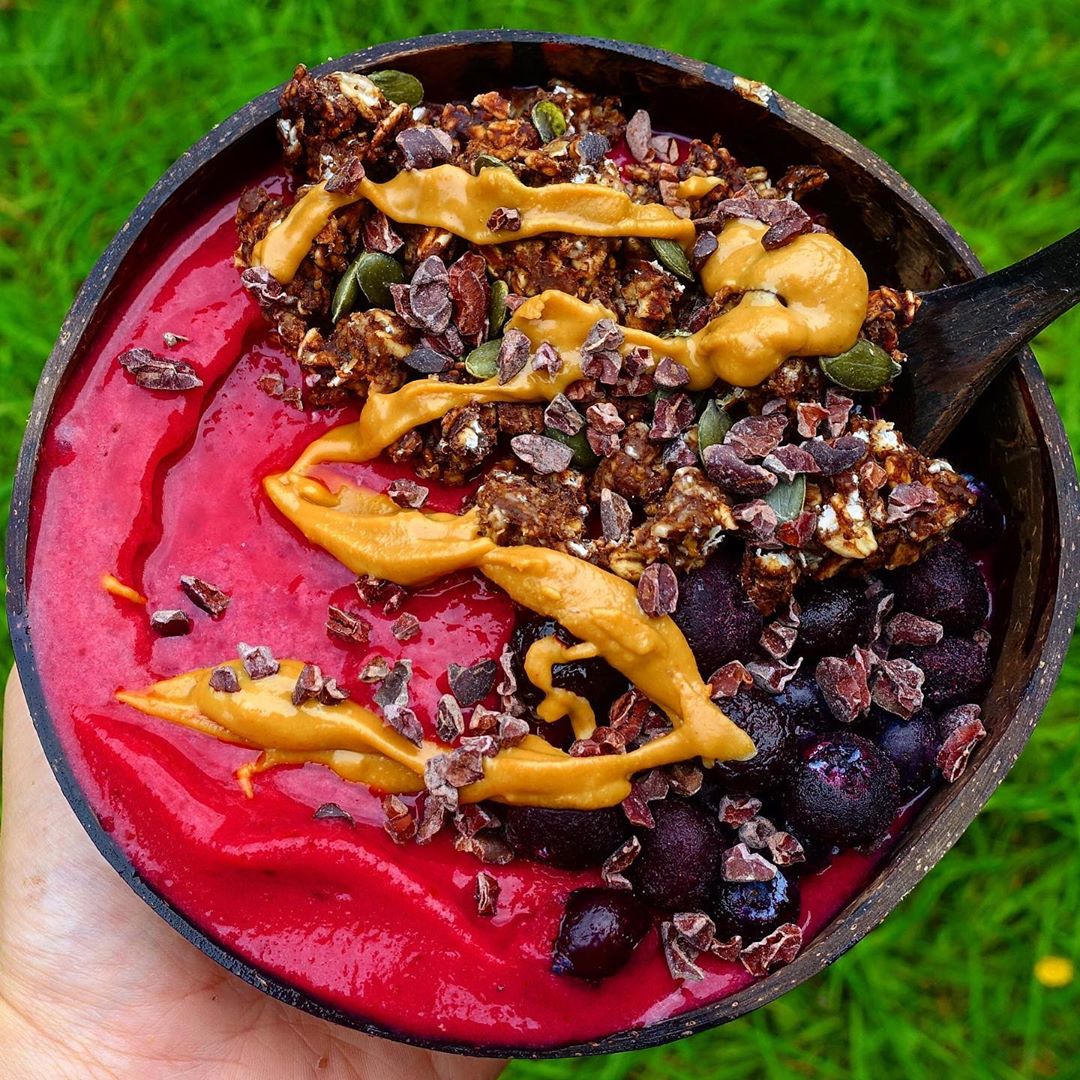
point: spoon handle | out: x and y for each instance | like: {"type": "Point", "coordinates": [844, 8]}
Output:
{"type": "Point", "coordinates": [965, 334]}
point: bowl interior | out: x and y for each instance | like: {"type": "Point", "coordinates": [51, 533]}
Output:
{"type": "Point", "coordinates": [1013, 439]}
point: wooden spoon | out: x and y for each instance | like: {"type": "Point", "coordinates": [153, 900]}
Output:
{"type": "Point", "coordinates": [964, 335]}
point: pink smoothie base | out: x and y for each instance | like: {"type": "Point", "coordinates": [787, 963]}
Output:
{"type": "Point", "coordinates": [151, 486]}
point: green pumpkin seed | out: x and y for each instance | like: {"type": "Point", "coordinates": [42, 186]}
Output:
{"type": "Point", "coordinates": [677, 332]}
{"type": "Point", "coordinates": [583, 458]}
{"type": "Point", "coordinates": [787, 498]}
{"type": "Point", "coordinates": [497, 306]}
{"type": "Point", "coordinates": [399, 86]}
{"type": "Point", "coordinates": [346, 294]}
{"type": "Point", "coordinates": [549, 120]}
{"type": "Point", "coordinates": [483, 361]}
{"type": "Point", "coordinates": [487, 161]}
{"type": "Point", "coordinates": [865, 366]}
{"type": "Point", "coordinates": [672, 257]}
{"type": "Point", "coordinates": [375, 273]}
{"type": "Point", "coordinates": [714, 424]}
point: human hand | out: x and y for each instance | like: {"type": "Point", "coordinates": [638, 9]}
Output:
{"type": "Point", "coordinates": [93, 984]}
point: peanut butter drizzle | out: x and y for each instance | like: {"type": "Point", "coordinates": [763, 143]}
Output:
{"type": "Point", "coordinates": [824, 293]}
{"type": "Point", "coordinates": [558, 702]}
{"type": "Point", "coordinates": [356, 744]}
{"type": "Point", "coordinates": [112, 584]}
{"type": "Point", "coordinates": [448, 197]}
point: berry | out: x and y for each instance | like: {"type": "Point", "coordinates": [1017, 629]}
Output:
{"type": "Point", "coordinates": [984, 522]}
{"type": "Point", "coordinates": [594, 679]}
{"type": "Point", "coordinates": [571, 839]}
{"type": "Point", "coordinates": [774, 736]}
{"type": "Point", "coordinates": [753, 909]}
{"type": "Point", "coordinates": [803, 704]}
{"type": "Point", "coordinates": [846, 792]}
{"type": "Point", "coordinates": [832, 620]}
{"type": "Point", "coordinates": [715, 614]}
{"type": "Point", "coordinates": [912, 745]}
{"type": "Point", "coordinates": [944, 585]}
{"type": "Point", "coordinates": [956, 671]}
{"type": "Point", "coordinates": [679, 858]}
{"type": "Point", "coordinates": [599, 930]}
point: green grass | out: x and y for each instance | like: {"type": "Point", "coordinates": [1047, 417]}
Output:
{"type": "Point", "coordinates": [977, 104]}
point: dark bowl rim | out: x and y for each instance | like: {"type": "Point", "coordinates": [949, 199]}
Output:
{"type": "Point", "coordinates": [850, 924]}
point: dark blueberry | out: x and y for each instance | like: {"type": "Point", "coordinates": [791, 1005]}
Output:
{"type": "Point", "coordinates": [679, 858]}
{"type": "Point", "coordinates": [572, 839]}
{"type": "Point", "coordinates": [912, 745]}
{"type": "Point", "coordinates": [595, 679]}
{"type": "Point", "coordinates": [754, 908]}
{"type": "Point", "coordinates": [758, 714]}
{"type": "Point", "coordinates": [715, 614]}
{"type": "Point", "coordinates": [944, 585]}
{"type": "Point", "coordinates": [833, 619]}
{"type": "Point", "coordinates": [984, 522]}
{"type": "Point", "coordinates": [801, 700]}
{"type": "Point", "coordinates": [956, 671]}
{"type": "Point", "coordinates": [846, 792]}
{"type": "Point", "coordinates": [599, 931]}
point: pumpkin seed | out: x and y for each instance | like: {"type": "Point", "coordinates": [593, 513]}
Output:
{"type": "Point", "coordinates": [672, 257]}
{"type": "Point", "coordinates": [788, 497]}
{"type": "Point", "coordinates": [497, 306]}
{"type": "Point", "coordinates": [583, 458]}
{"type": "Point", "coordinates": [399, 86]}
{"type": "Point", "coordinates": [483, 361]}
{"type": "Point", "coordinates": [714, 424]}
{"type": "Point", "coordinates": [487, 161]}
{"type": "Point", "coordinates": [375, 273]}
{"type": "Point", "coordinates": [346, 294]}
{"type": "Point", "coordinates": [865, 366]}
{"type": "Point", "coordinates": [549, 120]}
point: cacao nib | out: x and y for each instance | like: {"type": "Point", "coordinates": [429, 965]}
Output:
{"type": "Point", "coordinates": [838, 456]}
{"type": "Point", "coordinates": [486, 893]}
{"type": "Point", "coordinates": [379, 234]}
{"type": "Point", "coordinates": [400, 823]}
{"type": "Point", "coordinates": [330, 811]}
{"type": "Point", "coordinates": [639, 135]}
{"type": "Point", "coordinates": [223, 679]}
{"type": "Point", "coordinates": [844, 683]}
{"type": "Point", "coordinates": [347, 627]}
{"type": "Point", "coordinates": [203, 595]}
{"type": "Point", "coordinates": [427, 361]}
{"type": "Point", "coordinates": [561, 415]}
{"type": "Point", "coordinates": [423, 147]}
{"type": "Point", "coordinates": [737, 810]}
{"type": "Point", "coordinates": [258, 660]}
{"type": "Point", "coordinates": [309, 684]}
{"type": "Point", "coordinates": [779, 947]}
{"type": "Point", "coordinates": [449, 721]}
{"type": "Point", "coordinates": [170, 623]}
{"type": "Point", "coordinates": [728, 470]}
{"type": "Point", "coordinates": [513, 355]}
{"type": "Point", "coordinates": [470, 685]}
{"type": "Point", "coordinates": [154, 372]}
{"type": "Point", "coordinates": [618, 861]}
{"type": "Point", "coordinates": [756, 436]}
{"type": "Point", "coordinates": [346, 179]}
{"type": "Point", "coordinates": [742, 864]}
{"type": "Point", "coordinates": [542, 454]}
{"type": "Point", "coordinates": [615, 515]}
{"type": "Point", "coordinates": [965, 730]}
{"type": "Point", "coordinates": [547, 360]}
{"type": "Point", "coordinates": [658, 590]}
{"type": "Point", "coordinates": [408, 493]}
{"type": "Point", "coordinates": [504, 219]}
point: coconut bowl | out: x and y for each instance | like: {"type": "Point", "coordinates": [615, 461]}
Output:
{"type": "Point", "coordinates": [1014, 436]}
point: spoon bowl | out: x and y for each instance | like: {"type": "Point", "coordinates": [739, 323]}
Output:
{"type": "Point", "coordinates": [1013, 436]}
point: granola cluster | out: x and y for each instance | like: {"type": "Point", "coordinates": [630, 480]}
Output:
{"type": "Point", "coordinates": [627, 468]}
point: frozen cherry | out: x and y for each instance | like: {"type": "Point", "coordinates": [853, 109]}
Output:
{"type": "Point", "coordinates": [679, 858]}
{"type": "Point", "coordinates": [754, 909]}
{"type": "Point", "coordinates": [984, 522]}
{"type": "Point", "coordinates": [770, 727]}
{"type": "Point", "coordinates": [944, 585]}
{"type": "Point", "coordinates": [716, 615]}
{"type": "Point", "coordinates": [594, 679]}
{"type": "Point", "coordinates": [572, 839]}
{"type": "Point", "coordinates": [845, 793]}
{"type": "Point", "coordinates": [912, 745]}
{"type": "Point", "coordinates": [599, 931]}
{"type": "Point", "coordinates": [833, 619]}
{"type": "Point", "coordinates": [801, 700]}
{"type": "Point", "coordinates": [955, 671]}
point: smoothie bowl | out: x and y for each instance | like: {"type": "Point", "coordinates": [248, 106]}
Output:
{"type": "Point", "coordinates": [464, 569]}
